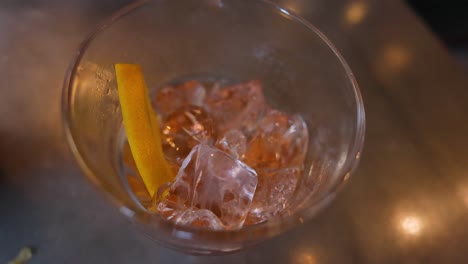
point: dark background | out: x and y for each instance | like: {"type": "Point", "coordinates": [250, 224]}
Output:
{"type": "Point", "coordinates": [448, 19]}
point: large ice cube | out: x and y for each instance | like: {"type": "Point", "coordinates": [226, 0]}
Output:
{"type": "Point", "coordinates": [171, 97]}
{"type": "Point", "coordinates": [279, 141]}
{"type": "Point", "coordinates": [184, 129]}
{"type": "Point", "coordinates": [238, 106]}
{"type": "Point", "coordinates": [211, 179]}
{"type": "Point", "coordinates": [274, 189]}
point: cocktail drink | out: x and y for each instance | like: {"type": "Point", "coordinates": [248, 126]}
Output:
{"type": "Point", "coordinates": [260, 120]}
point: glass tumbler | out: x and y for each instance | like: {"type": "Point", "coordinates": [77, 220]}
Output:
{"type": "Point", "coordinates": [240, 40]}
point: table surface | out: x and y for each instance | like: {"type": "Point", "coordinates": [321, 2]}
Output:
{"type": "Point", "coordinates": [406, 203]}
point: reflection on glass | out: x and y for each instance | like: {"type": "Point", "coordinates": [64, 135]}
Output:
{"type": "Point", "coordinates": [392, 61]}
{"type": "Point", "coordinates": [355, 13]}
{"type": "Point", "coordinates": [284, 11]}
{"type": "Point", "coordinates": [411, 225]}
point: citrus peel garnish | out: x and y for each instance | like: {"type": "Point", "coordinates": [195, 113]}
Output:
{"type": "Point", "coordinates": [142, 127]}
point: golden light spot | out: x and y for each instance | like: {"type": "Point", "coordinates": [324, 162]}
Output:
{"type": "Point", "coordinates": [411, 225]}
{"type": "Point", "coordinates": [305, 258]}
{"type": "Point", "coordinates": [395, 57]}
{"type": "Point", "coordinates": [355, 13]}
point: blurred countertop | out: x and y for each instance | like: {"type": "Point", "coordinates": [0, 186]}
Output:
{"type": "Point", "coordinates": [406, 203]}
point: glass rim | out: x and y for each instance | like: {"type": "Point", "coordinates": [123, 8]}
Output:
{"type": "Point", "coordinates": [270, 228]}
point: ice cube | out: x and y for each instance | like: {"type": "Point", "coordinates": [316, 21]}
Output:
{"type": "Point", "coordinates": [274, 189]}
{"type": "Point", "coordinates": [211, 179]}
{"type": "Point", "coordinates": [279, 141]}
{"type": "Point", "coordinates": [233, 142]}
{"type": "Point", "coordinates": [171, 97]}
{"type": "Point", "coordinates": [185, 128]}
{"type": "Point", "coordinates": [238, 106]}
{"type": "Point", "coordinates": [197, 218]}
